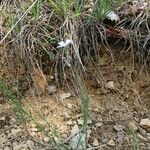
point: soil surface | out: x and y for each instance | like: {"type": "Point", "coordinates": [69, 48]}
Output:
{"type": "Point", "coordinates": [119, 100]}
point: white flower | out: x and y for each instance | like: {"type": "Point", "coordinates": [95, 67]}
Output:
{"type": "Point", "coordinates": [64, 43]}
{"type": "Point", "coordinates": [112, 16]}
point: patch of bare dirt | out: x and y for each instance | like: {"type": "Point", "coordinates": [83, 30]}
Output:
{"type": "Point", "coordinates": [119, 99]}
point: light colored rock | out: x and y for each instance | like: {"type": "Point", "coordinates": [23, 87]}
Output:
{"type": "Point", "coordinates": [95, 142]}
{"type": "Point", "coordinates": [33, 129]}
{"type": "Point", "coordinates": [2, 118]}
{"type": "Point", "coordinates": [118, 127]}
{"type": "Point", "coordinates": [56, 139]}
{"type": "Point", "coordinates": [65, 95]}
{"type": "Point", "coordinates": [69, 106]}
{"type": "Point", "coordinates": [111, 142]}
{"type": "Point", "coordinates": [132, 126]}
{"type": "Point", "coordinates": [80, 121]}
{"type": "Point", "coordinates": [66, 115]}
{"type": "Point", "coordinates": [18, 146]}
{"type": "Point", "coordinates": [13, 121]}
{"type": "Point", "coordinates": [145, 123]}
{"type": "Point", "coordinates": [46, 139]}
{"type": "Point", "coordinates": [7, 148]}
{"type": "Point", "coordinates": [99, 124]}
{"type": "Point", "coordinates": [75, 130]}
{"type": "Point", "coordinates": [69, 122]}
{"type": "Point", "coordinates": [110, 85]}
{"type": "Point", "coordinates": [30, 144]}
{"type": "Point", "coordinates": [16, 132]}
{"type": "Point", "coordinates": [78, 141]}
{"type": "Point", "coordinates": [51, 89]}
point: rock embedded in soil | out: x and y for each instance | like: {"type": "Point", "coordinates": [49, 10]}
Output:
{"type": "Point", "coordinates": [65, 95]}
{"type": "Point", "coordinates": [145, 123]}
{"type": "Point", "coordinates": [118, 127]}
{"type": "Point", "coordinates": [95, 142]}
{"type": "Point", "coordinates": [110, 85]}
{"type": "Point", "coordinates": [111, 142]}
{"type": "Point", "coordinates": [51, 89]}
{"type": "Point", "coordinates": [75, 140]}
{"type": "Point", "coordinates": [30, 144]}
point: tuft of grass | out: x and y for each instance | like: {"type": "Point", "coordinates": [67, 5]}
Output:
{"type": "Point", "coordinates": [134, 139]}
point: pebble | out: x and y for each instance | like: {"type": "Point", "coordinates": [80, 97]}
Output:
{"type": "Point", "coordinates": [34, 129]}
{"type": "Point", "coordinates": [110, 85]}
{"type": "Point", "coordinates": [30, 144]}
{"type": "Point", "coordinates": [51, 89]}
{"type": "Point", "coordinates": [74, 142]}
{"type": "Point", "coordinates": [111, 142]}
{"type": "Point", "coordinates": [16, 132]}
{"type": "Point", "coordinates": [80, 121]}
{"type": "Point", "coordinates": [66, 115]}
{"type": "Point", "coordinates": [132, 126]}
{"type": "Point", "coordinates": [145, 123]}
{"type": "Point", "coordinates": [13, 121]}
{"type": "Point", "coordinates": [69, 106]}
{"type": "Point", "coordinates": [99, 124]}
{"type": "Point", "coordinates": [46, 139]}
{"type": "Point", "coordinates": [7, 148]}
{"type": "Point", "coordinates": [118, 127]}
{"type": "Point", "coordinates": [56, 139]}
{"type": "Point", "coordinates": [65, 95]}
{"type": "Point", "coordinates": [69, 122]}
{"type": "Point", "coordinates": [95, 142]}
{"type": "Point", "coordinates": [75, 129]}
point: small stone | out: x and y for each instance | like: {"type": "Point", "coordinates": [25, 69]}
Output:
{"type": "Point", "coordinates": [74, 142]}
{"type": "Point", "coordinates": [2, 118]}
{"type": "Point", "coordinates": [132, 126]}
{"type": "Point", "coordinates": [7, 148]}
{"type": "Point", "coordinates": [98, 124]}
{"type": "Point", "coordinates": [30, 144]}
{"type": "Point", "coordinates": [69, 106]}
{"type": "Point", "coordinates": [18, 146]}
{"type": "Point", "coordinates": [118, 127]}
{"type": "Point", "coordinates": [81, 122]}
{"type": "Point", "coordinates": [127, 140]}
{"type": "Point", "coordinates": [57, 140]}
{"type": "Point", "coordinates": [88, 133]}
{"type": "Point", "coordinates": [137, 119]}
{"type": "Point", "coordinates": [13, 121]}
{"type": "Point", "coordinates": [145, 123]}
{"type": "Point", "coordinates": [75, 129]}
{"type": "Point", "coordinates": [66, 115]}
{"type": "Point", "coordinates": [16, 132]}
{"type": "Point", "coordinates": [51, 89]}
{"type": "Point", "coordinates": [46, 139]}
{"type": "Point", "coordinates": [46, 113]}
{"type": "Point", "coordinates": [111, 142]}
{"type": "Point", "coordinates": [34, 129]}
{"type": "Point", "coordinates": [65, 95]}
{"type": "Point", "coordinates": [95, 142]}
{"type": "Point", "coordinates": [69, 122]}
{"type": "Point", "coordinates": [110, 85]}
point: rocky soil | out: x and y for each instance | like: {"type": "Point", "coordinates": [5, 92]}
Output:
{"type": "Point", "coordinates": [119, 106]}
